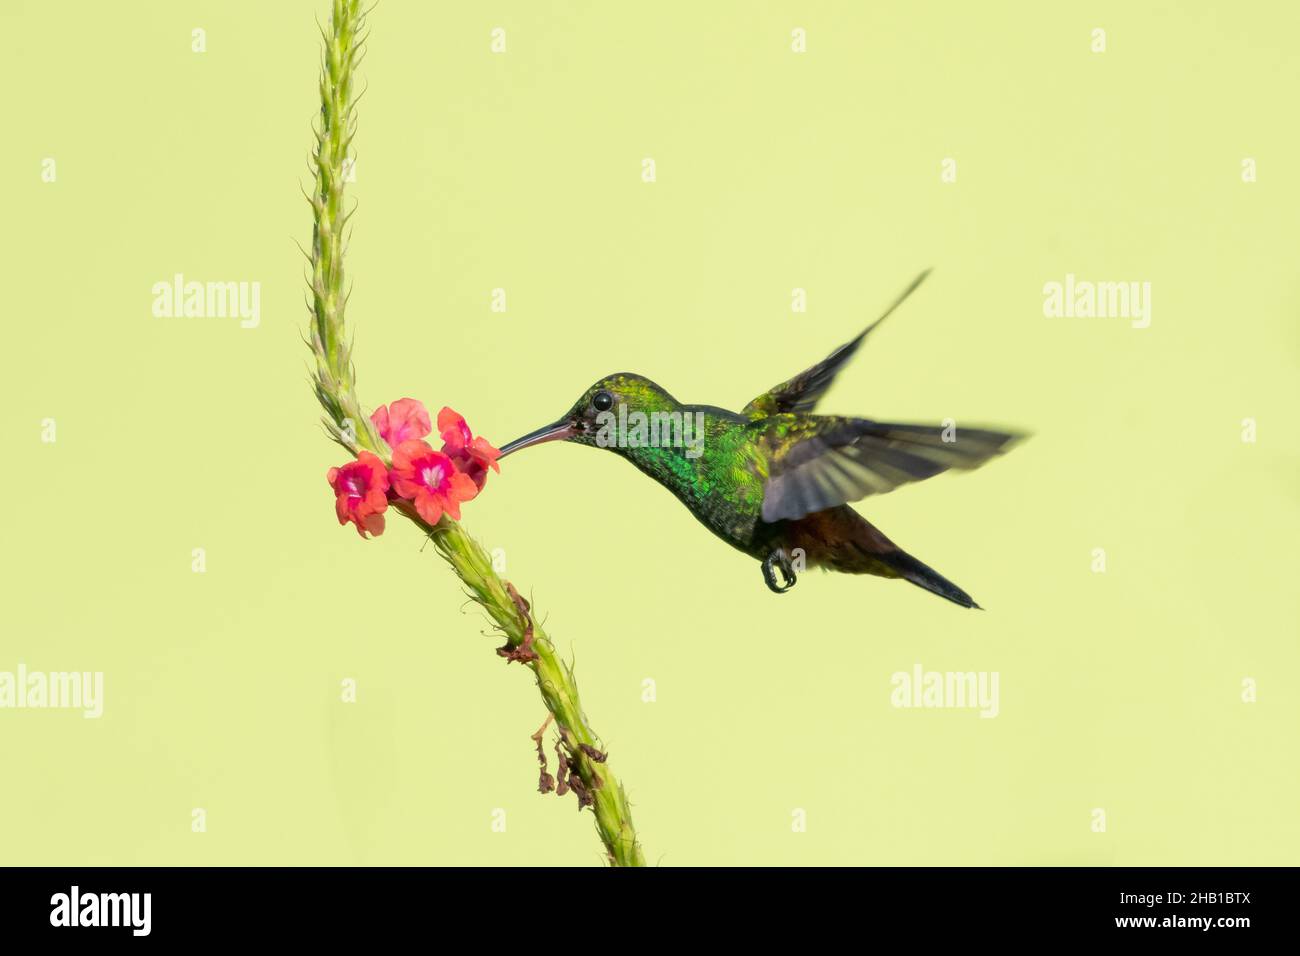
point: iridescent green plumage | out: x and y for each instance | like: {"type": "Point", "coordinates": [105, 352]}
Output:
{"type": "Point", "coordinates": [775, 480]}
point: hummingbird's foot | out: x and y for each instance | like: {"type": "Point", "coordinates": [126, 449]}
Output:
{"type": "Point", "coordinates": [778, 559]}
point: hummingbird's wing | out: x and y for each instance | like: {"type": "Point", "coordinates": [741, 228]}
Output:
{"type": "Point", "coordinates": [818, 462]}
{"type": "Point", "coordinates": [801, 393]}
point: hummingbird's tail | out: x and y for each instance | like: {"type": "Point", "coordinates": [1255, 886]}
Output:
{"type": "Point", "coordinates": [842, 540]}
{"type": "Point", "coordinates": [924, 576]}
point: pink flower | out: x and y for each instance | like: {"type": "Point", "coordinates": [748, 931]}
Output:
{"type": "Point", "coordinates": [472, 455]}
{"type": "Point", "coordinates": [403, 420]}
{"type": "Point", "coordinates": [430, 480]}
{"type": "Point", "coordinates": [361, 488]}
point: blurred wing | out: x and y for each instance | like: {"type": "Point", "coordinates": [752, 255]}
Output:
{"type": "Point", "coordinates": [822, 462]}
{"type": "Point", "coordinates": [801, 393]}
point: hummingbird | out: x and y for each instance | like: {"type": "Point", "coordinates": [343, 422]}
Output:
{"type": "Point", "coordinates": [775, 480]}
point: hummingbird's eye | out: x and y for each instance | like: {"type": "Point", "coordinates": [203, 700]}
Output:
{"type": "Point", "coordinates": [602, 401]}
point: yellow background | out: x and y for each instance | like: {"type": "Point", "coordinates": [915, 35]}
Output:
{"type": "Point", "coordinates": [1119, 691]}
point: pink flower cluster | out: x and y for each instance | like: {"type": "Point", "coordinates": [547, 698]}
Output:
{"type": "Point", "coordinates": [434, 482]}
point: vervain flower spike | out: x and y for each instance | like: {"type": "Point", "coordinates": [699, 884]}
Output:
{"type": "Point", "coordinates": [425, 485]}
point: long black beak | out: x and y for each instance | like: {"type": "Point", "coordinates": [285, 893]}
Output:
{"type": "Point", "coordinates": [556, 431]}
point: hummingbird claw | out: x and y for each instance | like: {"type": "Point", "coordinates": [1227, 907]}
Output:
{"type": "Point", "coordinates": [778, 559]}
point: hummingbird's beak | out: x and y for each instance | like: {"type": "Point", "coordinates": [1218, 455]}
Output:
{"type": "Point", "coordinates": [556, 431]}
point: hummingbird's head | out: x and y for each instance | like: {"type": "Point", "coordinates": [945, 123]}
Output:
{"type": "Point", "coordinates": [603, 409]}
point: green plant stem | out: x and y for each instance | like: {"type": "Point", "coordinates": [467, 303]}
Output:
{"type": "Point", "coordinates": [335, 381]}
{"type": "Point", "coordinates": [335, 386]}
{"type": "Point", "coordinates": [555, 680]}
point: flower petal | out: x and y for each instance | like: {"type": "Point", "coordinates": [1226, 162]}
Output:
{"type": "Point", "coordinates": [380, 419]}
{"type": "Point", "coordinates": [462, 487]}
{"type": "Point", "coordinates": [428, 507]}
{"type": "Point", "coordinates": [409, 419]}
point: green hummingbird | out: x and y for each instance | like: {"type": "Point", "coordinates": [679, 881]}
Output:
{"type": "Point", "coordinates": [775, 480]}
